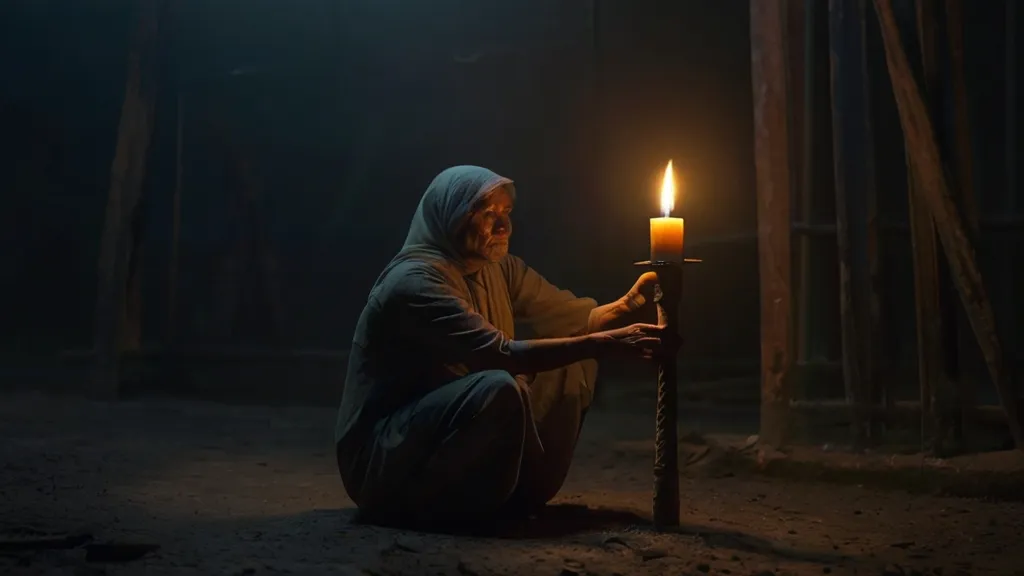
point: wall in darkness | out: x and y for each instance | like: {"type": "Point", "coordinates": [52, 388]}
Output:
{"type": "Point", "coordinates": [311, 128]}
{"type": "Point", "coordinates": [63, 66]}
{"type": "Point", "coordinates": [343, 117]}
{"type": "Point", "coordinates": [310, 131]}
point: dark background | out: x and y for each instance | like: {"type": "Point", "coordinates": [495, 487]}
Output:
{"type": "Point", "coordinates": [310, 129]}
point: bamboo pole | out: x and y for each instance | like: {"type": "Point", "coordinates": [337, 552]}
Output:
{"type": "Point", "coordinates": [933, 190]}
{"type": "Point", "coordinates": [771, 156]}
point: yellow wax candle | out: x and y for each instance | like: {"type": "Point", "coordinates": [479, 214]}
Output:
{"type": "Point", "coordinates": [667, 234]}
{"type": "Point", "coordinates": [667, 239]}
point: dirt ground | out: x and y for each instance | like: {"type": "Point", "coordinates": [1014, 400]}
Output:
{"type": "Point", "coordinates": [247, 490]}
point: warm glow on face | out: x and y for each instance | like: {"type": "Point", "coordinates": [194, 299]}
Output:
{"type": "Point", "coordinates": [668, 191]}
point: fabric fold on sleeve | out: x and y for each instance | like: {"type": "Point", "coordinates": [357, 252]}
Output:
{"type": "Point", "coordinates": [446, 321]}
{"type": "Point", "coordinates": [548, 311]}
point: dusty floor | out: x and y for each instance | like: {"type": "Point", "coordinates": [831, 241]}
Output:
{"type": "Point", "coordinates": [232, 490]}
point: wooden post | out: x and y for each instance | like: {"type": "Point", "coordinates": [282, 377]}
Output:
{"type": "Point", "coordinates": [850, 354]}
{"type": "Point", "coordinates": [253, 245]}
{"type": "Point", "coordinates": [771, 156]}
{"type": "Point", "coordinates": [930, 320]}
{"type": "Point", "coordinates": [869, 285]}
{"type": "Point", "coordinates": [131, 321]}
{"type": "Point", "coordinates": [1013, 277]}
{"type": "Point", "coordinates": [807, 330]}
{"type": "Point", "coordinates": [795, 48]}
{"type": "Point", "coordinates": [963, 166]}
{"type": "Point", "coordinates": [1010, 104]}
{"type": "Point", "coordinates": [964, 163]}
{"type": "Point", "coordinates": [853, 156]}
{"type": "Point", "coordinates": [932, 189]}
{"type": "Point", "coordinates": [173, 270]}
{"type": "Point", "coordinates": [126, 176]}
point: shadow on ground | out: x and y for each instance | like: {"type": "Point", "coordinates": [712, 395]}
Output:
{"type": "Point", "coordinates": [561, 521]}
{"type": "Point", "coordinates": [317, 539]}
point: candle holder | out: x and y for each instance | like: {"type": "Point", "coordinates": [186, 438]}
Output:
{"type": "Point", "coordinates": [667, 296]}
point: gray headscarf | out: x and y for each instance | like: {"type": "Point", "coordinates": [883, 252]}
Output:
{"type": "Point", "coordinates": [451, 196]}
{"type": "Point", "coordinates": [427, 282]}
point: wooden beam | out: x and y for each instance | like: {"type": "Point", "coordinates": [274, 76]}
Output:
{"type": "Point", "coordinates": [933, 190]}
{"type": "Point", "coordinates": [853, 157]}
{"type": "Point", "coordinates": [903, 411]}
{"type": "Point", "coordinates": [126, 177]}
{"type": "Point", "coordinates": [903, 415]}
{"type": "Point", "coordinates": [771, 158]}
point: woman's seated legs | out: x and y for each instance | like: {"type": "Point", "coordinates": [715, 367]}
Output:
{"type": "Point", "coordinates": [559, 400]}
{"type": "Point", "coordinates": [453, 457]}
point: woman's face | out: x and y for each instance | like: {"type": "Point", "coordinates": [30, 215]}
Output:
{"type": "Point", "coordinates": [489, 227]}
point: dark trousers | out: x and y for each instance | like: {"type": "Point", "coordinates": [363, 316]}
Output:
{"type": "Point", "coordinates": [471, 450]}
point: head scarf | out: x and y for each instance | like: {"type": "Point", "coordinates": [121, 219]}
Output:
{"type": "Point", "coordinates": [451, 196]}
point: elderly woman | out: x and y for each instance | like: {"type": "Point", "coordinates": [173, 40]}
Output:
{"type": "Point", "coordinates": [447, 420]}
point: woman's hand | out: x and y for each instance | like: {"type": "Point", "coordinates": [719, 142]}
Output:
{"type": "Point", "coordinates": [642, 291]}
{"type": "Point", "coordinates": [639, 340]}
{"type": "Point", "coordinates": [624, 310]}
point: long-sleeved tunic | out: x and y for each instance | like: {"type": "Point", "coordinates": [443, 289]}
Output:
{"type": "Point", "coordinates": [425, 367]}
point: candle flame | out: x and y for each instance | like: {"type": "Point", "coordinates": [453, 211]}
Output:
{"type": "Point", "coordinates": [668, 191]}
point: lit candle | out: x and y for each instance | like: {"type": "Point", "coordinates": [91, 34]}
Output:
{"type": "Point", "coordinates": [666, 232]}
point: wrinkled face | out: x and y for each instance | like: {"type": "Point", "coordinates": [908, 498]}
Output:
{"type": "Point", "coordinates": [489, 227]}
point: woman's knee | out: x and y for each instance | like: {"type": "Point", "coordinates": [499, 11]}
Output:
{"type": "Point", "coordinates": [502, 392]}
{"type": "Point", "coordinates": [492, 444]}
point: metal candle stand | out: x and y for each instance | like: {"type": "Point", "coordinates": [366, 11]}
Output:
{"type": "Point", "coordinates": [666, 436]}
